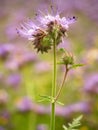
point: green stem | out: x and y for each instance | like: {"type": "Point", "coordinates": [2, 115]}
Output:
{"type": "Point", "coordinates": [53, 89]}
{"type": "Point", "coordinates": [62, 84]}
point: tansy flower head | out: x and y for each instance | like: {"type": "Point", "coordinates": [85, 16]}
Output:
{"type": "Point", "coordinates": [50, 27]}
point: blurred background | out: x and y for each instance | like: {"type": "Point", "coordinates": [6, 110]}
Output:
{"type": "Point", "coordinates": [25, 74]}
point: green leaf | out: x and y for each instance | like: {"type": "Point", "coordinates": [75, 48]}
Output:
{"type": "Point", "coordinates": [60, 103]}
{"type": "Point", "coordinates": [44, 98]}
{"type": "Point", "coordinates": [60, 63]}
{"type": "Point", "coordinates": [76, 65]}
{"type": "Point", "coordinates": [41, 100]}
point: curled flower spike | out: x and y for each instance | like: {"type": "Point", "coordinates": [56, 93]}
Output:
{"type": "Point", "coordinates": [51, 27]}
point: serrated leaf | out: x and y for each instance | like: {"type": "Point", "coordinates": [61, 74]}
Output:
{"type": "Point", "coordinates": [80, 117]}
{"type": "Point", "coordinates": [65, 128]}
{"type": "Point", "coordinates": [75, 123]}
{"type": "Point", "coordinates": [69, 124]}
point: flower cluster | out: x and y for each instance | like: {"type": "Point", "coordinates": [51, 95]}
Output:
{"type": "Point", "coordinates": [50, 27]}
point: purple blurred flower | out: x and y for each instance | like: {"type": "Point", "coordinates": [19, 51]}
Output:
{"type": "Point", "coordinates": [87, 8]}
{"type": "Point", "coordinates": [19, 57]}
{"type": "Point", "coordinates": [80, 107]}
{"type": "Point", "coordinates": [91, 84]}
{"type": "Point", "coordinates": [5, 114]}
{"type": "Point", "coordinates": [5, 49]}
{"type": "Point", "coordinates": [83, 107]}
{"type": "Point", "coordinates": [42, 127]}
{"type": "Point", "coordinates": [13, 80]}
{"type": "Point", "coordinates": [65, 111]}
{"type": "Point", "coordinates": [2, 128]}
{"type": "Point", "coordinates": [10, 29]}
{"type": "Point", "coordinates": [11, 32]}
{"type": "Point", "coordinates": [24, 104]}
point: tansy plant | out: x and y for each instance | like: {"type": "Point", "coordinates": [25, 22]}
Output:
{"type": "Point", "coordinates": [46, 35]}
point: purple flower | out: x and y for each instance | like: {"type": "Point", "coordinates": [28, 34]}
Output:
{"type": "Point", "coordinates": [19, 57]}
{"type": "Point", "coordinates": [5, 114]}
{"type": "Point", "coordinates": [28, 30]}
{"type": "Point", "coordinates": [62, 21]}
{"type": "Point", "coordinates": [1, 128]}
{"type": "Point", "coordinates": [43, 34]}
{"type": "Point", "coordinates": [13, 80]}
{"type": "Point", "coordinates": [91, 84]}
{"type": "Point", "coordinates": [42, 127]}
{"type": "Point", "coordinates": [5, 49]}
{"type": "Point", "coordinates": [24, 104]}
{"type": "Point", "coordinates": [78, 107]}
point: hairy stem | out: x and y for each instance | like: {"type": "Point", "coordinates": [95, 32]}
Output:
{"type": "Point", "coordinates": [53, 88]}
{"type": "Point", "coordinates": [62, 84]}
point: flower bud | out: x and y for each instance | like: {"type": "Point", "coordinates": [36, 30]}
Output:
{"type": "Point", "coordinates": [68, 59]}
